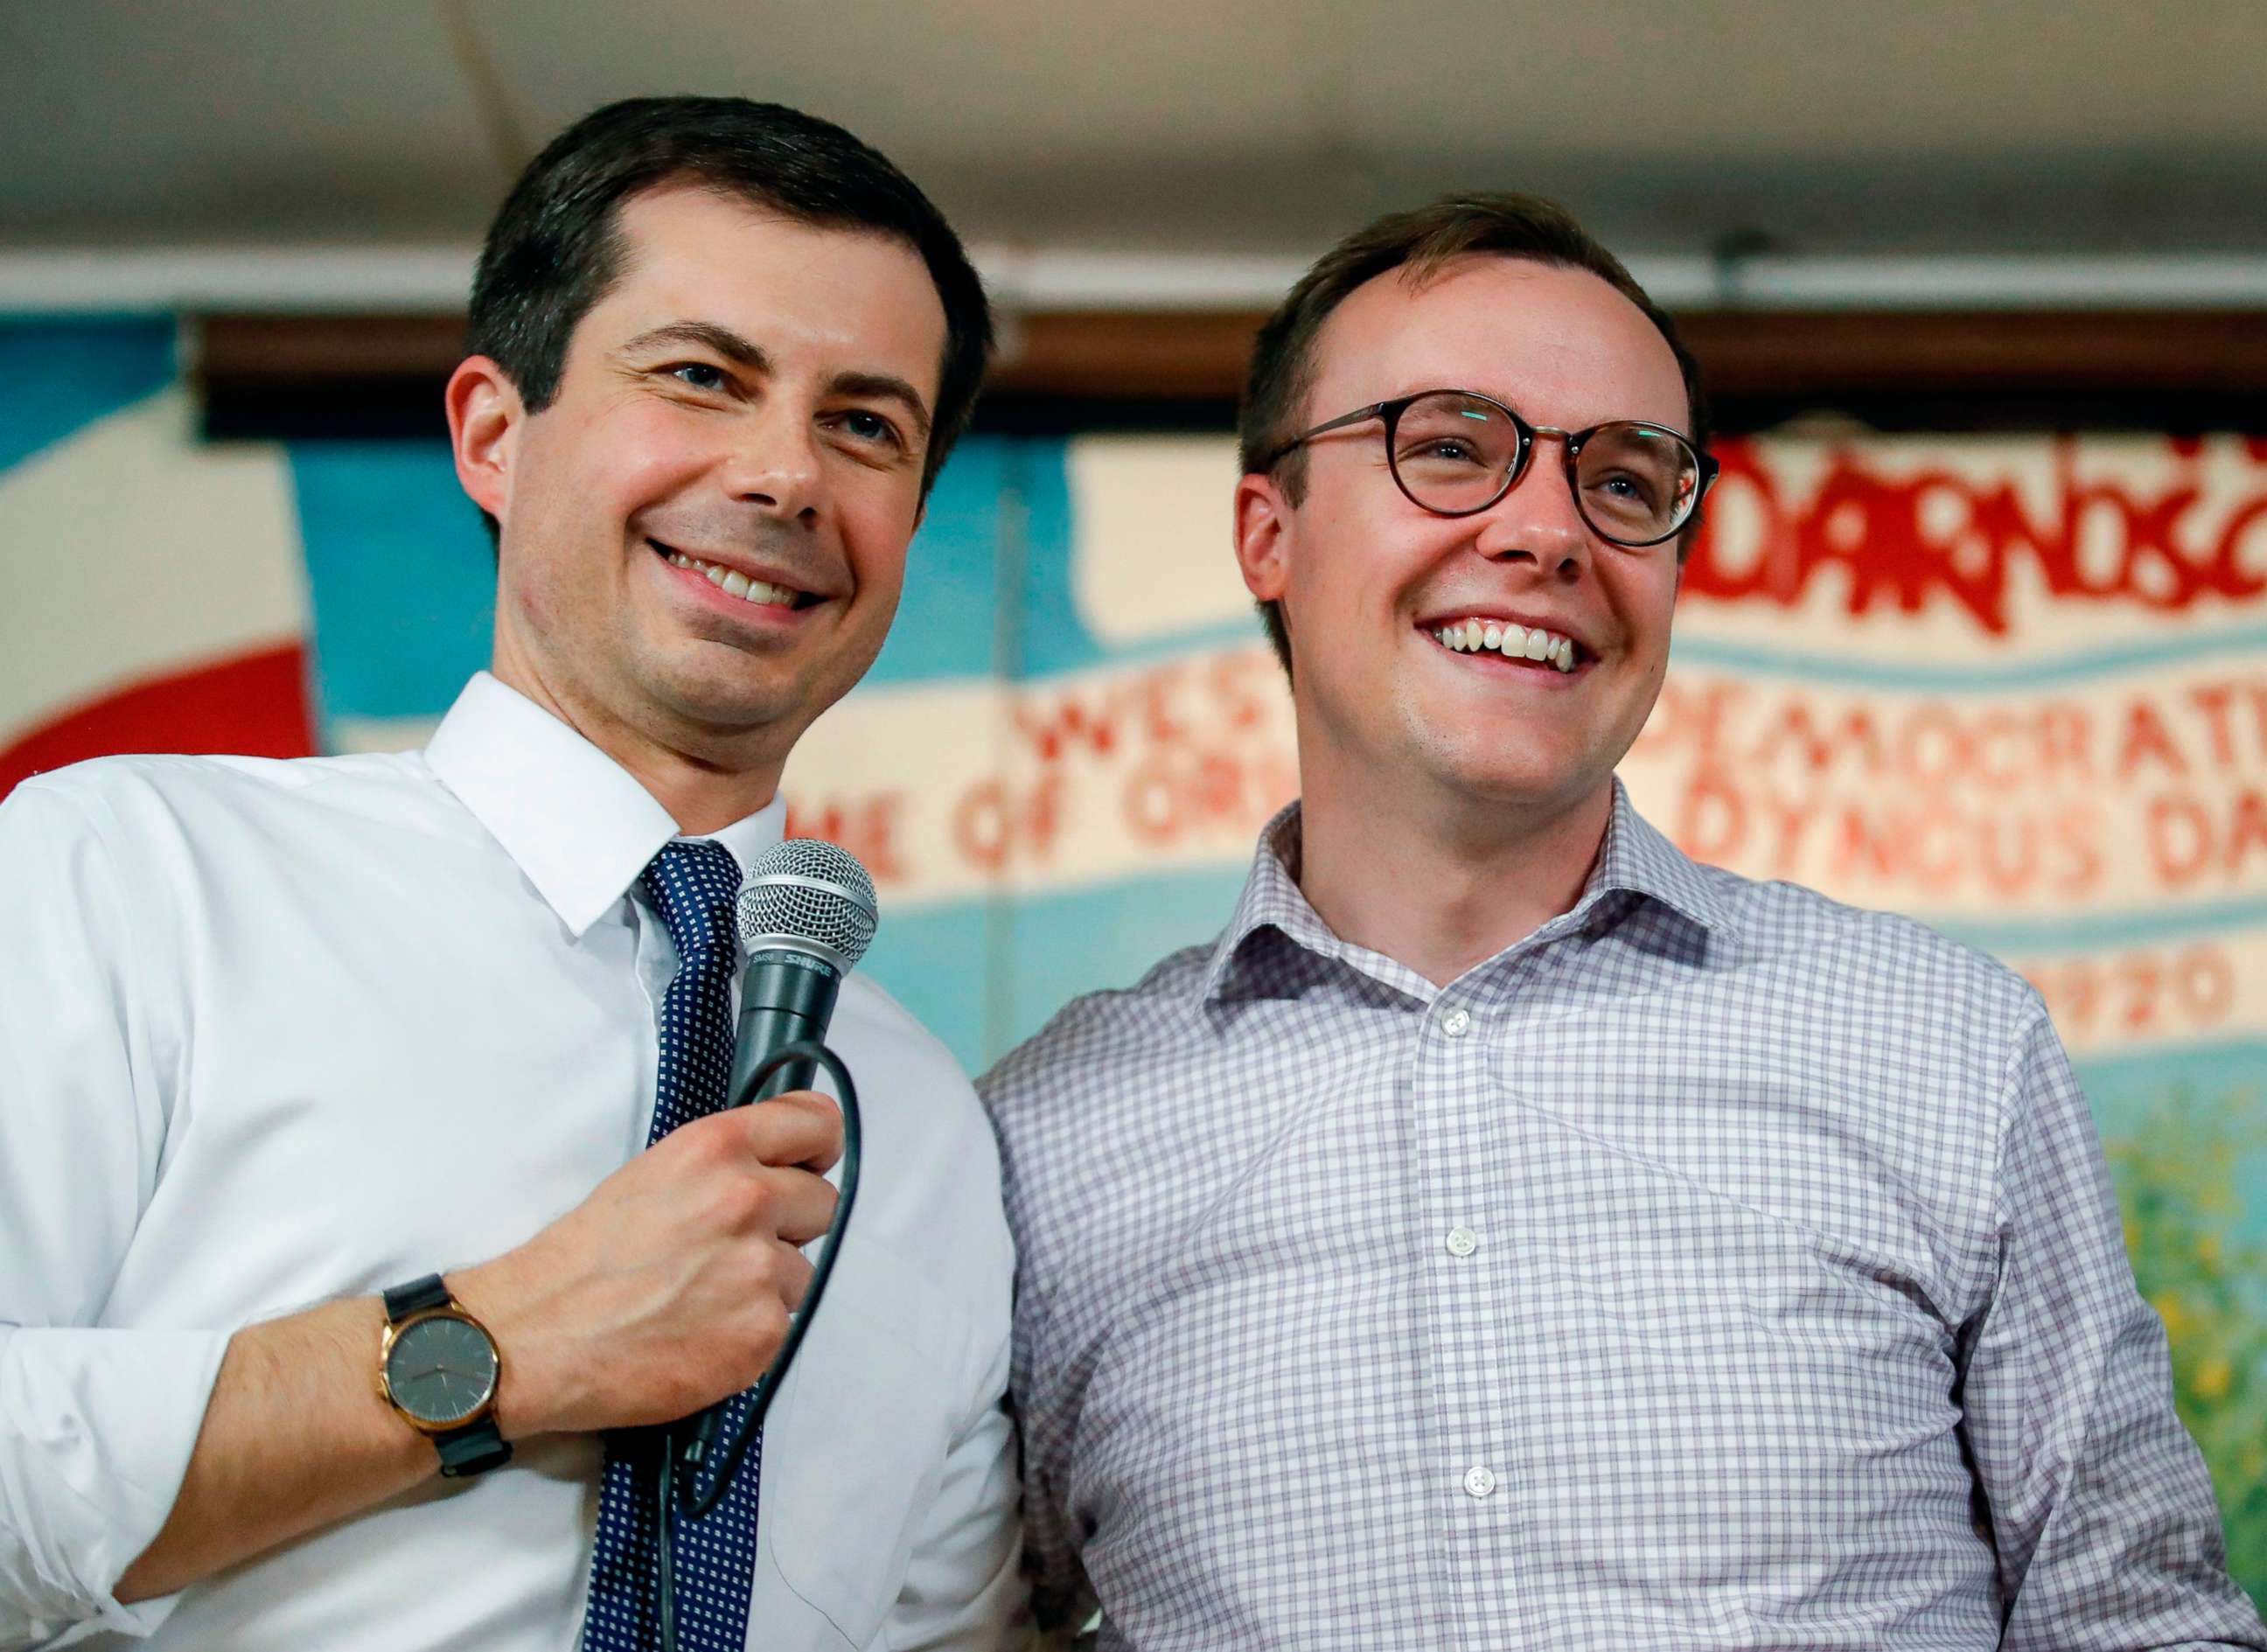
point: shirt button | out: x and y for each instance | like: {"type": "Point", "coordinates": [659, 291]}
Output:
{"type": "Point", "coordinates": [1463, 1242]}
{"type": "Point", "coordinates": [1456, 1023]}
{"type": "Point", "coordinates": [1478, 1481]}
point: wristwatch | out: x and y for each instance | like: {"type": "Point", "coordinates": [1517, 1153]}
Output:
{"type": "Point", "coordinates": [439, 1367]}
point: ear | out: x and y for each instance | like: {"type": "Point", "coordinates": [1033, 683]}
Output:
{"type": "Point", "coordinates": [485, 414]}
{"type": "Point", "coordinates": [1263, 529]}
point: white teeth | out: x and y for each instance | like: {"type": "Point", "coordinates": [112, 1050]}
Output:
{"type": "Point", "coordinates": [1514, 641]}
{"type": "Point", "coordinates": [734, 583]}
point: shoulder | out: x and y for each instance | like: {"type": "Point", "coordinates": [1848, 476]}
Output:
{"type": "Point", "coordinates": [888, 1033]}
{"type": "Point", "coordinates": [141, 794]}
{"type": "Point", "coordinates": [932, 1166]}
{"type": "Point", "coordinates": [1086, 1041]}
{"type": "Point", "coordinates": [159, 839]}
{"type": "Point", "coordinates": [1867, 952]}
{"type": "Point", "coordinates": [1924, 1013]}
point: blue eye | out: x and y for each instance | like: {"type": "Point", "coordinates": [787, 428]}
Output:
{"type": "Point", "coordinates": [697, 374]}
{"type": "Point", "coordinates": [870, 427]}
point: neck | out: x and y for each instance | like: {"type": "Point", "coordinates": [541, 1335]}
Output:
{"type": "Point", "coordinates": [702, 792]}
{"type": "Point", "coordinates": [1434, 882]}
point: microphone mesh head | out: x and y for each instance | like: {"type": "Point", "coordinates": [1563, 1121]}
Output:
{"type": "Point", "coordinates": [813, 891]}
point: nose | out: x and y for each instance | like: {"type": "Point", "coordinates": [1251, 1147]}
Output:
{"type": "Point", "coordinates": [1537, 522]}
{"type": "Point", "coordinates": [773, 463]}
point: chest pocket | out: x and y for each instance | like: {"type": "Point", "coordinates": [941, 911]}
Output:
{"type": "Point", "coordinates": [854, 1449]}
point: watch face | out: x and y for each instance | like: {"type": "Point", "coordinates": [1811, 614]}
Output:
{"type": "Point", "coordinates": [441, 1370]}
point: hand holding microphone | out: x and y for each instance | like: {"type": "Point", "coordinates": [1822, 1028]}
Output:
{"type": "Point", "coordinates": [672, 1285]}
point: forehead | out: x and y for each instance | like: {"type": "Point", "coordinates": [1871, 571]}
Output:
{"type": "Point", "coordinates": [1560, 345]}
{"type": "Point", "coordinates": [863, 299]}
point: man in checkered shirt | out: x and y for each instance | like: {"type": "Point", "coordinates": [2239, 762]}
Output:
{"type": "Point", "coordinates": [1509, 1233]}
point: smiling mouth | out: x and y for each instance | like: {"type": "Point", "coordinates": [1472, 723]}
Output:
{"type": "Point", "coordinates": [1522, 645]}
{"type": "Point", "coordinates": [733, 582]}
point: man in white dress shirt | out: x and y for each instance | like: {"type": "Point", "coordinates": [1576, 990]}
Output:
{"type": "Point", "coordinates": [283, 1036]}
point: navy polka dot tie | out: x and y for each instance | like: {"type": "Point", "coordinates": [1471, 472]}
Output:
{"type": "Point", "coordinates": [693, 886]}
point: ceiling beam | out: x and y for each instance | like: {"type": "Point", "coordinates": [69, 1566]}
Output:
{"type": "Point", "coordinates": [1200, 355]}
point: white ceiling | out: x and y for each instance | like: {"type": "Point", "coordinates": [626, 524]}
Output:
{"type": "Point", "coordinates": [1825, 126]}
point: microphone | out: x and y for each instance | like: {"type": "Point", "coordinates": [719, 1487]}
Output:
{"type": "Point", "coordinates": [807, 915]}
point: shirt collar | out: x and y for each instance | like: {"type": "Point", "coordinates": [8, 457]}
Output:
{"type": "Point", "coordinates": [579, 825]}
{"type": "Point", "coordinates": [1635, 859]}
{"type": "Point", "coordinates": [1638, 858]}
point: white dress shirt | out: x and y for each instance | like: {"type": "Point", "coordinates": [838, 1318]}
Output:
{"type": "Point", "coordinates": [277, 1032]}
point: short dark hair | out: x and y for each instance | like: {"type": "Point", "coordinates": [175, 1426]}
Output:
{"type": "Point", "coordinates": [1420, 243]}
{"type": "Point", "coordinates": [555, 247]}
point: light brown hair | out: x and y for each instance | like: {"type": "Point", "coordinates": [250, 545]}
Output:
{"type": "Point", "coordinates": [1420, 244]}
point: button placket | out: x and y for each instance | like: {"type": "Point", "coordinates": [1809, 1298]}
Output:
{"type": "Point", "coordinates": [1461, 1164]}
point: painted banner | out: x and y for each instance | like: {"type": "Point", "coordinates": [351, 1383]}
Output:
{"type": "Point", "coordinates": [2017, 687]}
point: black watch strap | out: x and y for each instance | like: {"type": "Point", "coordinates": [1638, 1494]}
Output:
{"type": "Point", "coordinates": [477, 1447]}
{"type": "Point", "coordinates": [473, 1450]}
{"type": "Point", "coordinates": [416, 1297]}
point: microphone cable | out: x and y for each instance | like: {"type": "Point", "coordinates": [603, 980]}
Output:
{"type": "Point", "coordinates": [680, 1494]}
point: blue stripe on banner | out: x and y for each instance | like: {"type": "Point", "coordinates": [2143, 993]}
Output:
{"type": "Point", "coordinates": [2238, 1066]}
{"type": "Point", "coordinates": [2086, 666]}
{"type": "Point", "coordinates": [948, 617]}
{"type": "Point", "coordinates": [1038, 952]}
{"type": "Point", "coordinates": [2081, 932]}
{"type": "Point", "coordinates": [62, 373]}
{"type": "Point", "coordinates": [400, 579]}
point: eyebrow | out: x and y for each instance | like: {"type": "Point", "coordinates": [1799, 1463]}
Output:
{"type": "Point", "coordinates": [727, 343]}
{"type": "Point", "coordinates": [743, 352]}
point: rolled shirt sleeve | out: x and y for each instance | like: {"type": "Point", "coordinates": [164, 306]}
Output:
{"type": "Point", "coordinates": [2099, 1506]}
{"type": "Point", "coordinates": [96, 1424]}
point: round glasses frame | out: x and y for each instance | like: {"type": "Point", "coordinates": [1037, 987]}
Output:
{"type": "Point", "coordinates": [1390, 412]}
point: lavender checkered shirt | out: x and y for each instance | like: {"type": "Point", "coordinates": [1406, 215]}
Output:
{"type": "Point", "coordinates": [1718, 1266]}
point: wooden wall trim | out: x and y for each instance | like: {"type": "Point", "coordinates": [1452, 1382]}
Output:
{"type": "Point", "coordinates": [1190, 357]}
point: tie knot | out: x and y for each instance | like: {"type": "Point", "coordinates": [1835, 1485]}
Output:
{"type": "Point", "coordinates": [693, 884]}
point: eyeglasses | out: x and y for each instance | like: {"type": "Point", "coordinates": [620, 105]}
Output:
{"type": "Point", "coordinates": [1456, 452]}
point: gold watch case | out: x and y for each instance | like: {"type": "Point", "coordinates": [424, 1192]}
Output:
{"type": "Point", "coordinates": [422, 1418]}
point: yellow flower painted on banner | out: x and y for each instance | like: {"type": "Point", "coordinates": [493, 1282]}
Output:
{"type": "Point", "coordinates": [2186, 1172]}
{"type": "Point", "coordinates": [2174, 1312]}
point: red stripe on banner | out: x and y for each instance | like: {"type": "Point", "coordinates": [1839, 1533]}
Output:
{"type": "Point", "coordinates": [253, 705]}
